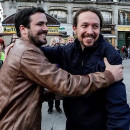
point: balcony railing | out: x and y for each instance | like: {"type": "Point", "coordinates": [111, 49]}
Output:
{"type": "Point", "coordinates": [82, 0]}
{"type": "Point", "coordinates": [124, 22]}
{"type": "Point", "coordinates": [107, 22]}
{"type": "Point", "coordinates": [104, 0]}
{"type": "Point", "coordinates": [59, 0]}
{"type": "Point", "coordinates": [124, 0]}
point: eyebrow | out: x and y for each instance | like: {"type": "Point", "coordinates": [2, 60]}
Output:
{"type": "Point", "coordinates": [43, 22]}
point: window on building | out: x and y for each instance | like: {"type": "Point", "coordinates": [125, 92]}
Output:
{"type": "Point", "coordinates": [60, 15]}
{"type": "Point", "coordinates": [124, 18]}
{"type": "Point", "coordinates": [74, 12]}
{"type": "Point", "coordinates": [81, 0]}
{"type": "Point", "coordinates": [107, 17]}
{"type": "Point", "coordinates": [104, 0]}
{"type": "Point", "coordinates": [22, 7]}
{"type": "Point", "coordinates": [124, 0]}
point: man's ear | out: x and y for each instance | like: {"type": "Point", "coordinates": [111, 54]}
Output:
{"type": "Point", "coordinates": [23, 30]}
{"type": "Point", "coordinates": [75, 30]}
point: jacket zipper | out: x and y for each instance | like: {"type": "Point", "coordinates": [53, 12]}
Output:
{"type": "Point", "coordinates": [82, 63]}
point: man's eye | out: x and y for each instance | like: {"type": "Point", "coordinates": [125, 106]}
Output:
{"type": "Point", "coordinates": [39, 24]}
{"type": "Point", "coordinates": [84, 26]}
{"type": "Point", "coordinates": [95, 26]}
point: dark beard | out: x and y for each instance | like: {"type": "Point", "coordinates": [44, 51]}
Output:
{"type": "Point", "coordinates": [38, 43]}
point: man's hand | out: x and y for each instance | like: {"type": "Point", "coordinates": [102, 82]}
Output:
{"type": "Point", "coordinates": [116, 70]}
{"type": "Point", "coordinates": [7, 49]}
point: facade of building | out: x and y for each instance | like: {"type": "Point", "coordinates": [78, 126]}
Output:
{"type": "Point", "coordinates": [116, 15]}
{"type": "Point", "coordinates": [1, 18]}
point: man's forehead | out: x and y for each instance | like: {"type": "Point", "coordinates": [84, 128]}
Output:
{"type": "Point", "coordinates": [88, 14]}
{"type": "Point", "coordinates": [38, 17]}
{"type": "Point", "coordinates": [88, 17]}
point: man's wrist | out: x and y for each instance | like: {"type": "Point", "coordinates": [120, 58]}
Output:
{"type": "Point", "coordinates": [109, 76]}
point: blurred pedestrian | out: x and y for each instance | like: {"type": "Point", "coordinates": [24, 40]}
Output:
{"type": "Point", "coordinates": [54, 42]}
{"type": "Point", "coordinates": [125, 52]}
{"type": "Point", "coordinates": [129, 51]}
{"type": "Point", "coordinates": [122, 48]}
{"type": "Point", "coordinates": [13, 38]}
{"type": "Point", "coordinates": [2, 47]}
{"type": "Point", "coordinates": [117, 48]}
{"type": "Point", "coordinates": [61, 41]}
{"type": "Point", "coordinates": [70, 39]}
{"type": "Point", "coordinates": [57, 105]}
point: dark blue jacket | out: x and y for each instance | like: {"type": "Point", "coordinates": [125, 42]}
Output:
{"type": "Point", "coordinates": [106, 109]}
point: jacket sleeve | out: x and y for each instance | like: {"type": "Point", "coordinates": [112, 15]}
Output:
{"type": "Point", "coordinates": [118, 110]}
{"type": "Point", "coordinates": [52, 53]}
{"type": "Point", "coordinates": [37, 68]}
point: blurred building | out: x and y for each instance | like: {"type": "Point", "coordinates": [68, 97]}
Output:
{"type": "Point", "coordinates": [116, 14]}
{"type": "Point", "coordinates": [1, 18]}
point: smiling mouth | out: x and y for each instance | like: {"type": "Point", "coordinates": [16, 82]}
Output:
{"type": "Point", "coordinates": [44, 36]}
{"type": "Point", "coordinates": [43, 32]}
{"type": "Point", "coordinates": [89, 38]}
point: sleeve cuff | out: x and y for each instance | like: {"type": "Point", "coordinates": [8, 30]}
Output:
{"type": "Point", "coordinates": [109, 77]}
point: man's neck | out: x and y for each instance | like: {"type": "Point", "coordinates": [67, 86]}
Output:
{"type": "Point", "coordinates": [24, 39]}
{"type": "Point", "coordinates": [82, 46]}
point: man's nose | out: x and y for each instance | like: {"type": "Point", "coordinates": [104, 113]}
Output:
{"type": "Point", "coordinates": [45, 27]}
{"type": "Point", "coordinates": [90, 30]}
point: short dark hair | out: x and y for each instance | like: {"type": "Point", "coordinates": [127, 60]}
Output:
{"type": "Point", "coordinates": [22, 17]}
{"type": "Point", "coordinates": [86, 9]}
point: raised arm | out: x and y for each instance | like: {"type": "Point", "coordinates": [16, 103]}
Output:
{"type": "Point", "coordinates": [60, 81]}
